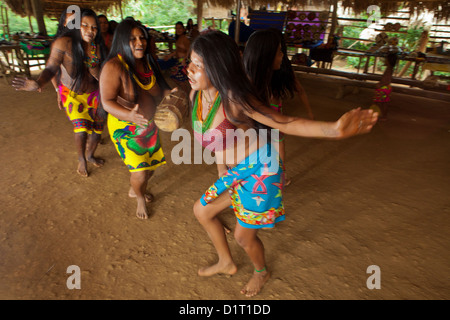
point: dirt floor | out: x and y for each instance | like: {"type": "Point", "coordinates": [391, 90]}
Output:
{"type": "Point", "coordinates": [379, 199]}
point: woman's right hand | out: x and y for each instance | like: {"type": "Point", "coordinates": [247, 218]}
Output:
{"type": "Point", "coordinates": [60, 103]}
{"type": "Point", "coordinates": [138, 118]}
{"type": "Point", "coordinates": [25, 84]}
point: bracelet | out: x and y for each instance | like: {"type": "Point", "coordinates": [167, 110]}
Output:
{"type": "Point", "coordinates": [263, 269]}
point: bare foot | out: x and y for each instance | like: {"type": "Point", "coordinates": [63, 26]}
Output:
{"type": "Point", "coordinates": [218, 268]}
{"type": "Point", "coordinates": [148, 196]}
{"type": "Point", "coordinates": [96, 161]}
{"type": "Point", "coordinates": [256, 283]}
{"type": "Point", "coordinates": [82, 170]}
{"type": "Point", "coordinates": [142, 211]}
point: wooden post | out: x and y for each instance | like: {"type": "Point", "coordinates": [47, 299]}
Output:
{"type": "Point", "coordinates": [238, 22]}
{"type": "Point", "coordinates": [199, 14]}
{"type": "Point", "coordinates": [120, 8]}
{"type": "Point", "coordinates": [29, 13]}
{"type": "Point", "coordinates": [421, 47]}
{"type": "Point", "coordinates": [39, 15]}
{"type": "Point", "coordinates": [5, 22]}
{"type": "Point", "coordinates": [30, 24]}
{"type": "Point", "coordinates": [333, 20]}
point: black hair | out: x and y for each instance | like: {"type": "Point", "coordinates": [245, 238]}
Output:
{"type": "Point", "coordinates": [259, 54]}
{"type": "Point", "coordinates": [61, 24]}
{"type": "Point", "coordinates": [121, 45]}
{"type": "Point", "coordinates": [109, 25]}
{"type": "Point", "coordinates": [283, 80]}
{"type": "Point", "coordinates": [180, 24]}
{"type": "Point", "coordinates": [78, 52]}
{"type": "Point", "coordinates": [189, 24]}
{"type": "Point", "coordinates": [225, 70]}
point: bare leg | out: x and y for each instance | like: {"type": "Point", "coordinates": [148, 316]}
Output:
{"type": "Point", "coordinates": [147, 195]}
{"type": "Point", "coordinates": [253, 246]}
{"type": "Point", "coordinates": [80, 142]}
{"type": "Point", "coordinates": [138, 181]}
{"type": "Point", "coordinates": [207, 216]}
{"type": "Point", "coordinates": [92, 143]}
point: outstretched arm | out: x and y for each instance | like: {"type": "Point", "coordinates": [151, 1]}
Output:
{"type": "Point", "coordinates": [54, 62]}
{"type": "Point", "coordinates": [353, 122]}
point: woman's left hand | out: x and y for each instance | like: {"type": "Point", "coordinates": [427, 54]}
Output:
{"type": "Point", "coordinates": [356, 122]}
{"type": "Point", "coordinates": [21, 83]}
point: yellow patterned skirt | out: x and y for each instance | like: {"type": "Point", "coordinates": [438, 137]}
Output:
{"type": "Point", "coordinates": [139, 147]}
{"type": "Point", "coordinates": [82, 110]}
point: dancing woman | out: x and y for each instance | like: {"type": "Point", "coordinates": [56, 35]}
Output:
{"type": "Point", "coordinates": [225, 101]}
{"type": "Point", "coordinates": [131, 87]}
{"type": "Point", "coordinates": [78, 54]}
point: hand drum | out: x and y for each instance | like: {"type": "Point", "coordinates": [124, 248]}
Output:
{"type": "Point", "coordinates": [172, 110]}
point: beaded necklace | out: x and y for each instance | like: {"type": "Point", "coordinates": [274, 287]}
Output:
{"type": "Point", "coordinates": [143, 75]}
{"type": "Point", "coordinates": [197, 113]}
{"type": "Point", "coordinates": [92, 61]}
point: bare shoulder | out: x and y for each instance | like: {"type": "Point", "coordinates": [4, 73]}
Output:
{"type": "Point", "coordinates": [113, 65]}
{"type": "Point", "coordinates": [62, 44]}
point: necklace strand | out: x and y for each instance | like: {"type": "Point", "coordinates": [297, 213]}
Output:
{"type": "Point", "coordinates": [92, 61]}
{"type": "Point", "coordinates": [197, 113]}
{"type": "Point", "coordinates": [151, 76]}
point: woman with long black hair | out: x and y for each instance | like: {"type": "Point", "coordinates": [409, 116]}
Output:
{"type": "Point", "coordinates": [269, 68]}
{"type": "Point", "coordinates": [131, 86]}
{"type": "Point", "coordinates": [250, 179]}
{"type": "Point", "coordinates": [78, 55]}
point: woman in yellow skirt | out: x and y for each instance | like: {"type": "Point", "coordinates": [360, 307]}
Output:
{"type": "Point", "coordinates": [131, 87]}
{"type": "Point", "coordinates": [78, 54]}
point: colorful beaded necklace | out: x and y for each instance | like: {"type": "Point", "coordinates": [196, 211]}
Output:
{"type": "Point", "coordinates": [143, 75]}
{"type": "Point", "coordinates": [197, 113]}
{"type": "Point", "coordinates": [92, 61]}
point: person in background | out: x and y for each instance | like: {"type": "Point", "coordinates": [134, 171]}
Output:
{"type": "Point", "coordinates": [189, 27]}
{"type": "Point", "coordinates": [269, 68]}
{"type": "Point", "coordinates": [244, 31]}
{"type": "Point", "coordinates": [105, 30]}
{"type": "Point", "coordinates": [382, 96]}
{"type": "Point", "coordinates": [194, 32]}
{"type": "Point", "coordinates": [177, 60]}
{"type": "Point", "coordinates": [112, 25]}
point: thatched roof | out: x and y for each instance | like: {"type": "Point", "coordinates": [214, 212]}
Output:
{"type": "Point", "coordinates": [439, 7]}
{"type": "Point", "coordinates": [53, 8]}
